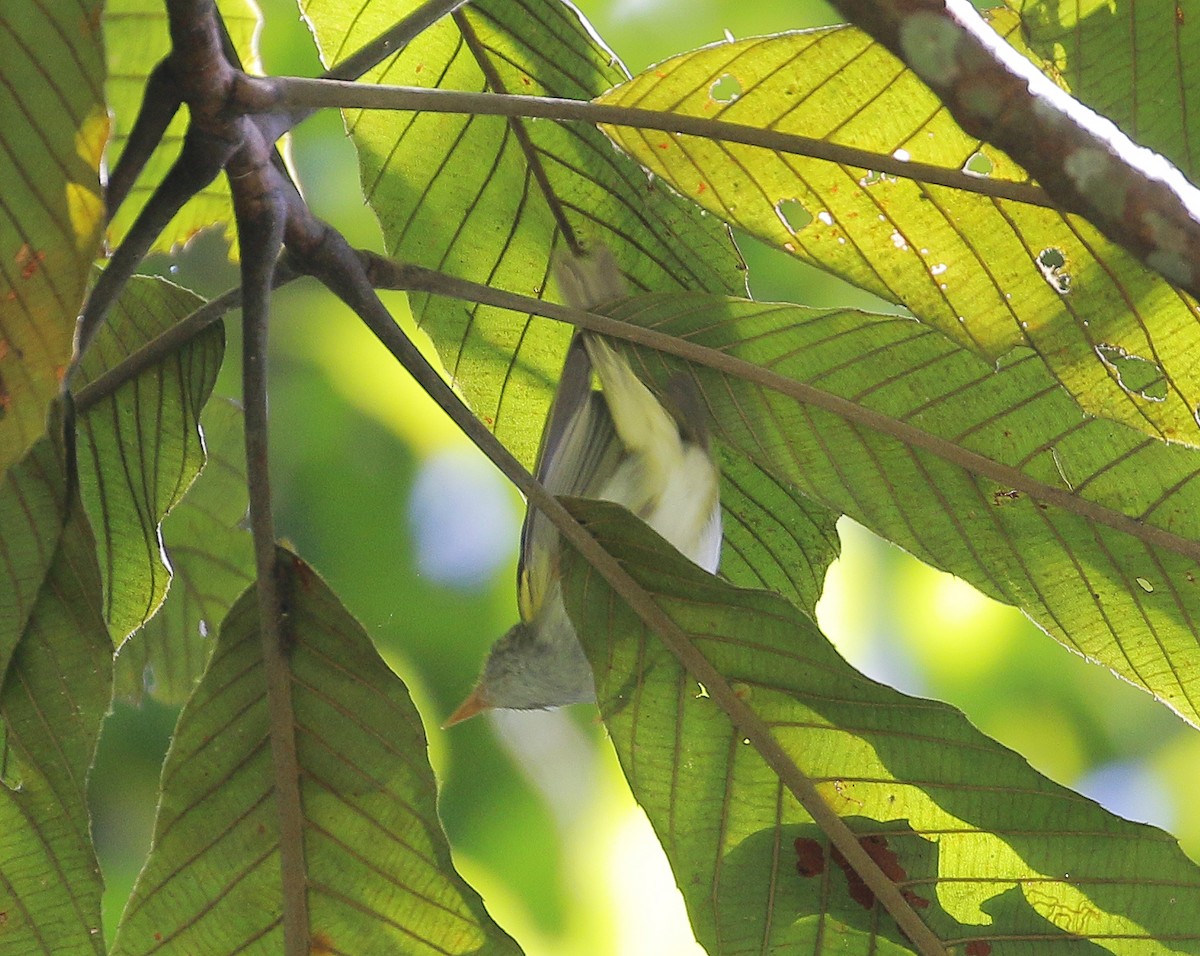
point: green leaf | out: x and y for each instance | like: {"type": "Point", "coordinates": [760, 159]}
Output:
{"type": "Point", "coordinates": [774, 537]}
{"type": "Point", "coordinates": [212, 563]}
{"type": "Point", "coordinates": [993, 274]}
{"type": "Point", "coordinates": [377, 865]}
{"type": "Point", "coordinates": [491, 199]}
{"type": "Point", "coordinates": [140, 447]}
{"type": "Point", "coordinates": [1108, 53]}
{"type": "Point", "coordinates": [136, 39]}
{"type": "Point", "coordinates": [51, 139]}
{"type": "Point", "coordinates": [984, 851]}
{"type": "Point", "coordinates": [54, 696]}
{"type": "Point", "coordinates": [993, 475]}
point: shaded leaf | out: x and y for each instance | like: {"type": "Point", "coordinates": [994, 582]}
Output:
{"type": "Point", "coordinates": [55, 693]}
{"type": "Point", "coordinates": [995, 476]}
{"type": "Point", "coordinates": [1108, 53]}
{"type": "Point", "coordinates": [990, 855]}
{"type": "Point", "coordinates": [378, 867]}
{"type": "Point", "coordinates": [774, 537]}
{"type": "Point", "coordinates": [993, 274]}
{"type": "Point", "coordinates": [136, 40]}
{"type": "Point", "coordinates": [491, 200]}
{"type": "Point", "coordinates": [51, 138]}
{"type": "Point", "coordinates": [212, 563]}
{"type": "Point", "coordinates": [140, 447]}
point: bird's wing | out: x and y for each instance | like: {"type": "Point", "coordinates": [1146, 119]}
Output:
{"type": "Point", "coordinates": [579, 448]}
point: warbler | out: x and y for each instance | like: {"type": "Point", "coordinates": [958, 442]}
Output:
{"type": "Point", "coordinates": [618, 444]}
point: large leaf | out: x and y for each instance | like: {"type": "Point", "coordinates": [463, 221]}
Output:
{"type": "Point", "coordinates": [53, 126]}
{"type": "Point", "coordinates": [140, 446]}
{"type": "Point", "coordinates": [136, 39]}
{"type": "Point", "coordinates": [1111, 56]}
{"type": "Point", "coordinates": [736, 765]}
{"type": "Point", "coordinates": [212, 563]}
{"type": "Point", "coordinates": [991, 273]}
{"type": "Point", "coordinates": [377, 866]}
{"type": "Point", "coordinates": [995, 475]}
{"type": "Point", "coordinates": [55, 692]}
{"type": "Point", "coordinates": [489, 199]}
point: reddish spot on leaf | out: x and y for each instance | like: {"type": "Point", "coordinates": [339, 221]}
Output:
{"type": "Point", "coordinates": [158, 937]}
{"type": "Point", "coordinates": [320, 944]}
{"type": "Point", "coordinates": [29, 261]}
{"type": "Point", "coordinates": [664, 145]}
{"type": "Point", "coordinates": [527, 81]}
{"type": "Point", "coordinates": [660, 74]}
{"type": "Point", "coordinates": [701, 188]}
{"type": "Point", "coordinates": [810, 858]}
{"type": "Point", "coordinates": [883, 857]}
{"type": "Point", "coordinates": [978, 947]}
{"type": "Point", "coordinates": [859, 891]}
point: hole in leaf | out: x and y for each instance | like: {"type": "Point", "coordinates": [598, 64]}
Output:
{"type": "Point", "coordinates": [1134, 374]}
{"type": "Point", "coordinates": [978, 164]}
{"type": "Point", "coordinates": [1052, 262]}
{"type": "Point", "coordinates": [726, 89]}
{"type": "Point", "coordinates": [793, 215]}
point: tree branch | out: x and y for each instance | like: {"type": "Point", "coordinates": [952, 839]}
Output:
{"type": "Point", "coordinates": [1084, 162]}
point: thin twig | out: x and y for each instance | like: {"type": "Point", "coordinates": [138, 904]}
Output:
{"type": "Point", "coordinates": [295, 92]}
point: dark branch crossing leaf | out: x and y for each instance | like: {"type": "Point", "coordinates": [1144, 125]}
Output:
{"type": "Point", "coordinates": [491, 200]}
{"type": "Point", "coordinates": [378, 867]}
{"type": "Point", "coordinates": [996, 476]}
{"type": "Point", "coordinates": [51, 212]}
{"type": "Point", "coordinates": [212, 563]}
{"type": "Point", "coordinates": [993, 274]}
{"type": "Point", "coordinates": [992, 857]}
{"type": "Point", "coordinates": [140, 448]}
{"type": "Point", "coordinates": [55, 693]}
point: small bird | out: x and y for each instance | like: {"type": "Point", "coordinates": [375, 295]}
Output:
{"type": "Point", "coordinates": [618, 444]}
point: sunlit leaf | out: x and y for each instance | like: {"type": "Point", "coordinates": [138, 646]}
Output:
{"type": "Point", "coordinates": [774, 537]}
{"type": "Point", "coordinates": [988, 854]}
{"type": "Point", "coordinates": [1106, 53]}
{"type": "Point", "coordinates": [489, 199]}
{"type": "Point", "coordinates": [377, 866]}
{"type": "Point", "coordinates": [212, 563]}
{"type": "Point", "coordinates": [140, 447]}
{"type": "Point", "coordinates": [56, 689]}
{"type": "Point", "coordinates": [994, 475]}
{"type": "Point", "coordinates": [136, 39]}
{"type": "Point", "coordinates": [51, 138]}
{"type": "Point", "coordinates": [993, 274]}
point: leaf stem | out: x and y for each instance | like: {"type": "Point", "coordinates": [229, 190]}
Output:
{"type": "Point", "coordinates": [425, 280]}
{"type": "Point", "coordinates": [297, 92]}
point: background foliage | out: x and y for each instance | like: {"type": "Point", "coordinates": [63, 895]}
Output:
{"type": "Point", "coordinates": [379, 534]}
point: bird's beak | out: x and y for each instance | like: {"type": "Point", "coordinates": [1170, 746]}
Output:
{"type": "Point", "coordinates": [476, 703]}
